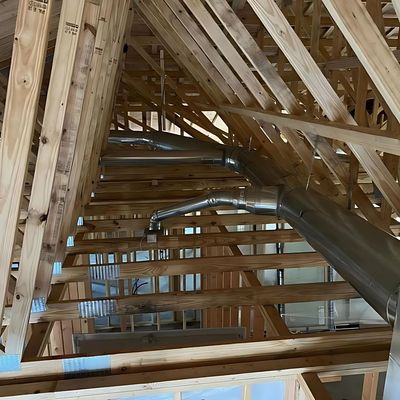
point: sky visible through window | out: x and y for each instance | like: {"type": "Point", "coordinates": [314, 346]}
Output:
{"type": "Point", "coordinates": [274, 390]}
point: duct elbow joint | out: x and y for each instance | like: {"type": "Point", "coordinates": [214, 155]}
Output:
{"type": "Point", "coordinates": [264, 200]}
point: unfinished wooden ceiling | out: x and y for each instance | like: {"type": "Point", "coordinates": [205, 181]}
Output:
{"type": "Point", "coordinates": [311, 84]}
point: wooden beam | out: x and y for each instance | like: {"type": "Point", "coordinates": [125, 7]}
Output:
{"type": "Point", "coordinates": [70, 28]}
{"type": "Point", "coordinates": [370, 46]}
{"type": "Point", "coordinates": [396, 6]}
{"type": "Point", "coordinates": [67, 149]}
{"type": "Point", "coordinates": [301, 60]}
{"type": "Point", "coordinates": [373, 138]}
{"type": "Point", "coordinates": [138, 224]}
{"type": "Point", "coordinates": [113, 77]}
{"type": "Point", "coordinates": [179, 301]}
{"type": "Point", "coordinates": [313, 387]}
{"type": "Point", "coordinates": [196, 265]}
{"type": "Point", "coordinates": [370, 386]}
{"type": "Point", "coordinates": [276, 349]}
{"type": "Point", "coordinates": [164, 380]}
{"type": "Point", "coordinates": [170, 184]}
{"type": "Point", "coordinates": [277, 85]}
{"type": "Point", "coordinates": [90, 107]}
{"type": "Point", "coordinates": [181, 241]}
{"type": "Point", "coordinates": [30, 45]}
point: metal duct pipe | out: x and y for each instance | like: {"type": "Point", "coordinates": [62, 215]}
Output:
{"type": "Point", "coordinates": [160, 140]}
{"type": "Point", "coordinates": [263, 200]}
{"type": "Point", "coordinates": [142, 157]}
{"type": "Point", "coordinates": [261, 171]}
{"type": "Point", "coordinates": [364, 255]}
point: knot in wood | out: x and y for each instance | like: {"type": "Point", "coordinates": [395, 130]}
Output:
{"type": "Point", "coordinates": [36, 217]}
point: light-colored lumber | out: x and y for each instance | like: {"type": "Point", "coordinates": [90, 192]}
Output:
{"type": "Point", "coordinates": [301, 60]}
{"type": "Point", "coordinates": [50, 139]}
{"type": "Point", "coordinates": [287, 346]}
{"type": "Point", "coordinates": [67, 149]}
{"type": "Point", "coordinates": [202, 299]}
{"type": "Point", "coordinates": [197, 265]}
{"type": "Point", "coordinates": [313, 387]}
{"type": "Point", "coordinates": [182, 241]}
{"type": "Point", "coordinates": [372, 138]}
{"type": "Point", "coordinates": [369, 45]}
{"type": "Point", "coordinates": [30, 45]}
{"type": "Point", "coordinates": [370, 386]}
{"type": "Point", "coordinates": [90, 107]}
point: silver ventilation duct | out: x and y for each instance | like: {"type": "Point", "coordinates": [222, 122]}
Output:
{"type": "Point", "coordinates": [257, 201]}
{"type": "Point", "coordinates": [142, 157]}
{"type": "Point", "coordinates": [364, 255]}
{"type": "Point", "coordinates": [260, 170]}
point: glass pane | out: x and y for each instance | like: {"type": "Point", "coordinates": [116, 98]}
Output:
{"type": "Point", "coordinates": [268, 390]}
{"type": "Point", "coordinates": [164, 396]}
{"type": "Point", "coordinates": [231, 393]}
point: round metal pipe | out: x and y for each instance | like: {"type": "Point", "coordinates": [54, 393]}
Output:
{"type": "Point", "coordinates": [364, 255]}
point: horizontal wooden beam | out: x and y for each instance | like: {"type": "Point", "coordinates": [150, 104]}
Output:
{"type": "Point", "coordinates": [134, 224]}
{"type": "Point", "coordinates": [161, 185]}
{"type": "Point", "coordinates": [370, 137]}
{"type": "Point", "coordinates": [374, 339]}
{"type": "Point", "coordinates": [184, 378]}
{"type": "Point", "coordinates": [146, 196]}
{"type": "Point", "coordinates": [202, 299]}
{"type": "Point", "coordinates": [196, 265]}
{"type": "Point", "coordinates": [182, 241]}
{"type": "Point", "coordinates": [168, 172]}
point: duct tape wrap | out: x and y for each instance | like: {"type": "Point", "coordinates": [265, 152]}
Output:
{"type": "Point", "coordinates": [39, 305]}
{"type": "Point", "coordinates": [88, 366]}
{"type": "Point", "coordinates": [104, 272]}
{"type": "Point", "coordinates": [10, 363]}
{"type": "Point", "coordinates": [97, 308]}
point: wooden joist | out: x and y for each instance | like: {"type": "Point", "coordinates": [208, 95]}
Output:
{"type": "Point", "coordinates": [113, 386]}
{"type": "Point", "coordinates": [183, 241]}
{"type": "Point", "coordinates": [376, 339]}
{"type": "Point", "coordinates": [180, 301]}
{"type": "Point", "coordinates": [202, 265]}
{"type": "Point", "coordinates": [203, 221]}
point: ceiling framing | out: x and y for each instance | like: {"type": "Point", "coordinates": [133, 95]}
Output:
{"type": "Point", "coordinates": [311, 84]}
